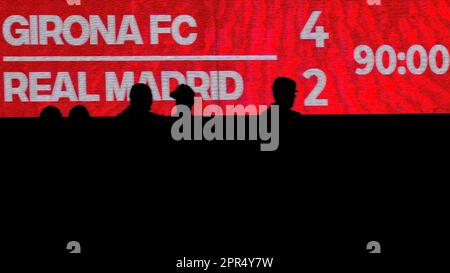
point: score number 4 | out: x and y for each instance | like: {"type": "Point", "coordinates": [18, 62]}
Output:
{"type": "Point", "coordinates": [320, 36]}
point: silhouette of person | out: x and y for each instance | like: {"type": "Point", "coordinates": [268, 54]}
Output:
{"type": "Point", "coordinates": [141, 100]}
{"type": "Point", "coordinates": [184, 95]}
{"type": "Point", "coordinates": [79, 113]}
{"type": "Point", "coordinates": [51, 115]}
{"type": "Point", "coordinates": [284, 92]}
{"type": "Point", "coordinates": [51, 122]}
{"type": "Point", "coordinates": [79, 116]}
{"type": "Point", "coordinates": [184, 100]}
{"type": "Point", "coordinates": [137, 116]}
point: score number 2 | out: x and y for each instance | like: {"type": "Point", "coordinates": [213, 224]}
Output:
{"type": "Point", "coordinates": [320, 36]}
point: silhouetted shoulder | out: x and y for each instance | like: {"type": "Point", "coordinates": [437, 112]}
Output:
{"type": "Point", "coordinates": [295, 115]}
{"type": "Point", "coordinates": [133, 114]}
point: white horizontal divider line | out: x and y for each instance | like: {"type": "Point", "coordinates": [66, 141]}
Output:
{"type": "Point", "coordinates": [140, 58]}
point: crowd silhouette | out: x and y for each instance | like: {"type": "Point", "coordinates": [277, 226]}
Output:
{"type": "Point", "coordinates": [184, 95]}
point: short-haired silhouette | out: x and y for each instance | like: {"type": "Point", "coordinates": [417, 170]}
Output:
{"type": "Point", "coordinates": [184, 95]}
{"type": "Point", "coordinates": [50, 114]}
{"type": "Point", "coordinates": [51, 119]}
{"type": "Point", "coordinates": [141, 100]}
{"type": "Point", "coordinates": [79, 116]}
{"type": "Point", "coordinates": [138, 113]}
{"type": "Point", "coordinates": [284, 92]}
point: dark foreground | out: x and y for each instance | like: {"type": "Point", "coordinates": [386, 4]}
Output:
{"type": "Point", "coordinates": [136, 199]}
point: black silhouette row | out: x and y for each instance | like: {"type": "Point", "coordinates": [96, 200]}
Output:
{"type": "Point", "coordinates": [141, 99]}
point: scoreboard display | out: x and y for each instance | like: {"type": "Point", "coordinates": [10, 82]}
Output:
{"type": "Point", "coordinates": [347, 56]}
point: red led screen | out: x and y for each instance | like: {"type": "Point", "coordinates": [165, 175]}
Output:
{"type": "Point", "coordinates": [347, 56]}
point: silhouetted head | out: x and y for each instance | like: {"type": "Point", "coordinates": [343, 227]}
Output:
{"type": "Point", "coordinates": [51, 114]}
{"type": "Point", "coordinates": [141, 97]}
{"type": "Point", "coordinates": [79, 114]}
{"type": "Point", "coordinates": [184, 95]}
{"type": "Point", "coordinates": [284, 92]}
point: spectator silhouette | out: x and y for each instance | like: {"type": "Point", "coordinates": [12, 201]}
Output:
{"type": "Point", "coordinates": [284, 92]}
{"type": "Point", "coordinates": [141, 100]}
{"type": "Point", "coordinates": [51, 125]}
{"type": "Point", "coordinates": [184, 100]}
{"type": "Point", "coordinates": [79, 116]}
{"type": "Point", "coordinates": [79, 113]}
{"type": "Point", "coordinates": [138, 115]}
{"type": "Point", "coordinates": [184, 95]}
{"type": "Point", "coordinates": [51, 116]}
